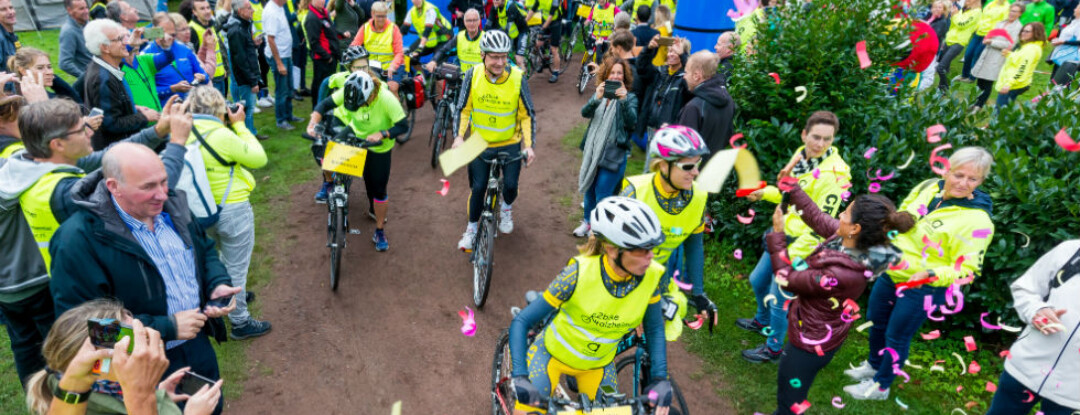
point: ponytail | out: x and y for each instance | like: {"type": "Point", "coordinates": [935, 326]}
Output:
{"type": "Point", "coordinates": [877, 217]}
{"type": "Point", "coordinates": [38, 393]}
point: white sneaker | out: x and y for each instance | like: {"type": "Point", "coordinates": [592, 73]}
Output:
{"type": "Point", "coordinates": [506, 220]}
{"type": "Point", "coordinates": [265, 102]}
{"type": "Point", "coordinates": [867, 390]}
{"type": "Point", "coordinates": [861, 372]}
{"type": "Point", "coordinates": [258, 110]}
{"type": "Point", "coordinates": [582, 230]}
{"type": "Point", "coordinates": [467, 239]}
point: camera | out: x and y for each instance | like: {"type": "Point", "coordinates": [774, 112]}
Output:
{"type": "Point", "coordinates": [236, 106]}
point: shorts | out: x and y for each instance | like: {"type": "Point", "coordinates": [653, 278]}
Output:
{"type": "Point", "coordinates": [522, 43]}
{"type": "Point", "coordinates": [554, 32]}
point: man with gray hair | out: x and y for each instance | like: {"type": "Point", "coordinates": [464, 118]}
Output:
{"type": "Point", "coordinates": [73, 53]}
{"type": "Point", "coordinates": [244, 59]}
{"type": "Point", "coordinates": [711, 111]}
{"type": "Point", "coordinates": [726, 45]}
{"type": "Point", "coordinates": [122, 12]}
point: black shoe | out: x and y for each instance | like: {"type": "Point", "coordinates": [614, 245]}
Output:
{"type": "Point", "coordinates": [297, 97]}
{"type": "Point", "coordinates": [761, 354]}
{"type": "Point", "coordinates": [750, 324]}
{"type": "Point", "coordinates": [304, 92]}
{"type": "Point", "coordinates": [250, 297]}
{"type": "Point", "coordinates": [262, 137]}
{"type": "Point", "coordinates": [254, 328]}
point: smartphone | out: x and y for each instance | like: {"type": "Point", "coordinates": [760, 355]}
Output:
{"type": "Point", "coordinates": [234, 107]}
{"type": "Point", "coordinates": [665, 41]}
{"type": "Point", "coordinates": [105, 332]}
{"type": "Point", "coordinates": [610, 87]}
{"type": "Point", "coordinates": [96, 111]}
{"type": "Point", "coordinates": [223, 301]}
{"type": "Point", "coordinates": [152, 33]}
{"type": "Point", "coordinates": [192, 382]}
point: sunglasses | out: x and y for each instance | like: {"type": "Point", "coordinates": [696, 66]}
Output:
{"type": "Point", "coordinates": [688, 166]}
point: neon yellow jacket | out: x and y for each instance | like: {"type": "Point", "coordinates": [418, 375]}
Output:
{"type": "Point", "coordinates": [240, 146]}
{"type": "Point", "coordinates": [952, 225]}
{"type": "Point", "coordinates": [1020, 67]}
{"type": "Point", "coordinates": [833, 176]}
{"type": "Point", "coordinates": [994, 12]}
{"type": "Point", "coordinates": [746, 27]}
{"type": "Point", "coordinates": [961, 27]}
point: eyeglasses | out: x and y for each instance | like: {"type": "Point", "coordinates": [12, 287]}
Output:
{"type": "Point", "coordinates": [688, 166]}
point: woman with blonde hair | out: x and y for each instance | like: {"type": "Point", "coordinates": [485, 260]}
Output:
{"type": "Point", "coordinates": [988, 67]}
{"type": "Point", "coordinates": [34, 63]}
{"type": "Point", "coordinates": [1020, 63]}
{"type": "Point", "coordinates": [662, 22]}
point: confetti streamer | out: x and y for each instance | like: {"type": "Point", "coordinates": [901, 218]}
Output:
{"type": "Point", "coordinates": [933, 133]}
{"type": "Point", "coordinates": [745, 220]}
{"type": "Point", "coordinates": [981, 233]}
{"type": "Point", "coordinates": [900, 372]}
{"type": "Point", "coordinates": [922, 210]}
{"type": "Point", "coordinates": [874, 187]}
{"type": "Point", "coordinates": [468, 322]}
{"type": "Point", "coordinates": [735, 138]}
{"type": "Point", "coordinates": [786, 184]}
{"type": "Point", "coordinates": [974, 367]}
{"type": "Point", "coordinates": [696, 324]}
{"type": "Point", "coordinates": [868, 274]}
{"type": "Point", "coordinates": [969, 343]}
{"type": "Point", "coordinates": [1005, 354]}
{"type": "Point", "coordinates": [822, 340]}
{"type": "Point", "coordinates": [445, 187]}
{"type": "Point", "coordinates": [988, 326]}
{"type": "Point", "coordinates": [962, 364]}
{"type": "Point", "coordinates": [902, 405]}
{"type": "Point", "coordinates": [816, 173]}
{"type": "Point", "coordinates": [884, 178]}
{"type": "Point", "coordinates": [943, 161]}
{"type": "Point", "coordinates": [837, 403]}
{"type": "Point", "coordinates": [799, 408]}
{"type": "Point", "coordinates": [775, 77]}
{"type": "Point", "coordinates": [1010, 329]}
{"type": "Point", "coordinates": [1030, 397]}
{"type": "Point", "coordinates": [899, 267]}
{"type": "Point", "coordinates": [931, 335]}
{"type": "Point", "coordinates": [799, 264]}
{"type": "Point", "coordinates": [1062, 138]}
{"type": "Point", "coordinates": [959, 262]}
{"type": "Point", "coordinates": [999, 32]}
{"type": "Point", "coordinates": [892, 234]}
{"type": "Point", "coordinates": [907, 163]}
{"type": "Point", "coordinates": [767, 299]}
{"type": "Point", "coordinates": [835, 304]}
{"type": "Point", "coordinates": [892, 352]}
{"type": "Point", "coordinates": [817, 349]}
{"type": "Point", "coordinates": [870, 152]}
{"type": "Point", "coordinates": [860, 51]}
{"type": "Point", "coordinates": [802, 93]}
{"type": "Point", "coordinates": [795, 383]}
{"type": "Point", "coordinates": [1028, 239]}
{"type": "Point", "coordinates": [864, 326]}
{"type": "Point", "coordinates": [737, 254]}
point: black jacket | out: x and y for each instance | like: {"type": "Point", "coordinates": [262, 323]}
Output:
{"type": "Point", "coordinates": [324, 41]}
{"type": "Point", "coordinates": [243, 53]}
{"type": "Point", "coordinates": [95, 256]}
{"type": "Point", "coordinates": [711, 112]}
{"type": "Point", "coordinates": [101, 89]}
{"type": "Point", "coordinates": [666, 93]}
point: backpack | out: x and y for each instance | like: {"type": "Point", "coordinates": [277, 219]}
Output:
{"type": "Point", "coordinates": [196, 185]}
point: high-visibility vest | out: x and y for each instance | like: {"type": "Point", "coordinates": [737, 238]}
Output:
{"type": "Point", "coordinates": [380, 45]}
{"type": "Point", "coordinates": [638, 4]}
{"type": "Point", "coordinates": [504, 21]}
{"type": "Point", "coordinates": [418, 14]}
{"type": "Point", "coordinates": [256, 18]}
{"type": "Point", "coordinates": [11, 149]}
{"type": "Point", "coordinates": [35, 206]}
{"type": "Point", "coordinates": [603, 20]}
{"type": "Point", "coordinates": [585, 333]}
{"type": "Point", "coordinates": [676, 227]}
{"type": "Point", "coordinates": [218, 56]}
{"type": "Point", "coordinates": [468, 51]}
{"type": "Point", "coordinates": [495, 106]}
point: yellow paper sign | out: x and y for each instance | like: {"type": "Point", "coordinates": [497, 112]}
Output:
{"type": "Point", "coordinates": [714, 174]}
{"type": "Point", "coordinates": [621, 410]}
{"type": "Point", "coordinates": [536, 20]}
{"type": "Point", "coordinates": [396, 409]}
{"type": "Point", "coordinates": [583, 11]}
{"type": "Point", "coordinates": [344, 159]}
{"type": "Point", "coordinates": [456, 158]}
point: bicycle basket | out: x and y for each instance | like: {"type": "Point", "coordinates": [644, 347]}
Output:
{"type": "Point", "coordinates": [448, 72]}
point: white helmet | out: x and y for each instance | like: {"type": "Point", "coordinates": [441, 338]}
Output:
{"type": "Point", "coordinates": [358, 89]}
{"type": "Point", "coordinates": [627, 223]}
{"type": "Point", "coordinates": [494, 41]}
{"type": "Point", "coordinates": [675, 142]}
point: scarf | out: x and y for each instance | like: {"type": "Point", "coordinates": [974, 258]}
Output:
{"type": "Point", "coordinates": [597, 137]}
{"type": "Point", "coordinates": [806, 164]}
{"type": "Point", "coordinates": [876, 259]}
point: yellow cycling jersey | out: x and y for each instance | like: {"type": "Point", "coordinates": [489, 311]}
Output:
{"type": "Point", "coordinates": [380, 115]}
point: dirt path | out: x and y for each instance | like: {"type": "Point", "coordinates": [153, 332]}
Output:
{"type": "Point", "coordinates": [391, 332]}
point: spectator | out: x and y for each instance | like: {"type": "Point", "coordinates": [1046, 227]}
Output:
{"type": "Point", "coordinates": [726, 45]}
{"type": "Point", "coordinates": [459, 7]}
{"type": "Point", "coordinates": [231, 184]}
{"type": "Point", "coordinates": [202, 21]}
{"type": "Point", "coordinates": [279, 56]}
{"type": "Point", "coordinates": [641, 29]}
{"type": "Point", "coordinates": [636, 5]}
{"type": "Point", "coordinates": [10, 143]}
{"type": "Point", "coordinates": [667, 92]}
{"type": "Point", "coordinates": [205, 51]}
{"type": "Point", "coordinates": [939, 20]}
{"type": "Point", "coordinates": [73, 53]}
{"type": "Point", "coordinates": [662, 22]}
{"type": "Point", "coordinates": [9, 41]}
{"type": "Point", "coordinates": [129, 220]}
{"type": "Point", "coordinates": [962, 24]}
{"type": "Point", "coordinates": [141, 69]}
{"type": "Point", "coordinates": [186, 70]}
{"type": "Point", "coordinates": [97, 10]}
{"type": "Point", "coordinates": [988, 67]}
{"type": "Point", "coordinates": [348, 16]}
{"type": "Point", "coordinates": [29, 64]}
{"type": "Point", "coordinates": [1036, 11]}
{"type": "Point", "coordinates": [35, 197]}
{"type": "Point", "coordinates": [295, 12]}
{"type": "Point", "coordinates": [324, 42]}
{"type": "Point", "coordinates": [122, 12]}
{"type": "Point", "coordinates": [711, 111]}
{"type": "Point", "coordinates": [1041, 356]}
{"type": "Point", "coordinates": [244, 57]}
{"type": "Point", "coordinates": [222, 10]}
{"type": "Point", "coordinates": [1066, 54]}
{"type": "Point", "coordinates": [104, 85]}
{"type": "Point", "coordinates": [993, 12]}
{"type": "Point", "coordinates": [465, 46]}
{"type": "Point", "coordinates": [508, 16]}
{"type": "Point", "coordinates": [1020, 63]}
{"type": "Point", "coordinates": [135, 377]}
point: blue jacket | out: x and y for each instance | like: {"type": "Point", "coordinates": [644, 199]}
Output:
{"type": "Point", "coordinates": [184, 67]}
{"type": "Point", "coordinates": [73, 53]}
{"type": "Point", "coordinates": [9, 43]}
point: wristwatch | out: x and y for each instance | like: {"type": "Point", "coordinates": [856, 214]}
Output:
{"type": "Point", "coordinates": [73, 398]}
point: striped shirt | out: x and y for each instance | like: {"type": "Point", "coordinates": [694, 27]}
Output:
{"type": "Point", "coordinates": [174, 260]}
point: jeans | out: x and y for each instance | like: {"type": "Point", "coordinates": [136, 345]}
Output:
{"type": "Point", "coordinates": [243, 94]}
{"type": "Point", "coordinates": [283, 90]}
{"type": "Point", "coordinates": [1004, 100]}
{"type": "Point", "coordinates": [945, 58]}
{"type": "Point", "coordinates": [235, 237]}
{"type": "Point", "coordinates": [200, 356]}
{"type": "Point", "coordinates": [478, 178]}
{"type": "Point", "coordinates": [971, 55]}
{"type": "Point", "coordinates": [222, 85]}
{"type": "Point", "coordinates": [603, 185]}
{"type": "Point", "coordinates": [773, 315]}
{"type": "Point", "coordinates": [896, 320]}
{"type": "Point", "coordinates": [28, 321]}
{"type": "Point", "coordinates": [1011, 396]}
{"type": "Point", "coordinates": [796, 363]}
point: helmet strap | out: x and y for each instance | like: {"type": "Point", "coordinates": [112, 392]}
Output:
{"type": "Point", "coordinates": [667, 177]}
{"type": "Point", "coordinates": [618, 263]}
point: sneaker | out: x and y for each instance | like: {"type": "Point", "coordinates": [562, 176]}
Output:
{"type": "Point", "coordinates": [295, 119]}
{"type": "Point", "coordinates": [265, 102]}
{"type": "Point", "coordinates": [467, 238]}
{"type": "Point", "coordinates": [282, 125]}
{"type": "Point", "coordinates": [554, 77]}
{"type": "Point", "coordinates": [862, 372]}
{"type": "Point", "coordinates": [582, 230]}
{"type": "Point", "coordinates": [297, 97]}
{"type": "Point", "coordinates": [867, 390]}
{"type": "Point", "coordinates": [320, 196]}
{"type": "Point", "coordinates": [961, 78]}
{"type": "Point", "coordinates": [253, 328]}
{"type": "Point", "coordinates": [761, 354]}
{"type": "Point", "coordinates": [304, 92]}
{"type": "Point", "coordinates": [379, 239]}
{"type": "Point", "coordinates": [249, 297]}
{"type": "Point", "coordinates": [262, 137]}
{"type": "Point", "coordinates": [506, 220]}
{"type": "Point", "coordinates": [258, 110]}
{"type": "Point", "coordinates": [750, 324]}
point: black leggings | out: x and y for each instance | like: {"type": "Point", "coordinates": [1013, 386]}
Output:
{"type": "Point", "coordinates": [797, 364]}
{"type": "Point", "coordinates": [985, 88]}
{"type": "Point", "coordinates": [377, 175]}
{"type": "Point", "coordinates": [1064, 73]}
{"type": "Point", "coordinates": [945, 58]}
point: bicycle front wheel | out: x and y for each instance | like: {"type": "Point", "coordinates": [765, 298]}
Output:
{"type": "Point", "coordinates": [625, 373]}
{"type": "Point", "coordinates": [483, 258]}
{"type": "Point", "coordinates": [337, 245]}
{"type": "Point", "coordinates": [503, 396]}
{"type": "Point", "coordinates": [437, 135]}
{"type": "Point", "coordinates": [583, 78]}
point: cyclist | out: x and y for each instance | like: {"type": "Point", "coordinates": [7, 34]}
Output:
{"type": "Point", "coordinates": [607, 291]}
{"type": "Point", "coordinates": [354, 59]}
{"type": "Point", "coordinates": [382, 40]}
{"type": "Point", "coordinates": [669, 190]}
{"type": "Point", "coordinates": [374, 114]}
{"type": "Point", "coordinates": [551, 14]}
{"type": "Point", "coordinates": [431, 25]}
{"type": "Point", "coordinates": [602, 17]}
{"type": "Point", "coordinates": [508, 16]}
{"type": "Point", "coordinates": [496, 104]}
{"type": "Point", "coordinates": [466, 45]}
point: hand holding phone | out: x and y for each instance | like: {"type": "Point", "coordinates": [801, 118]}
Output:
{"type": "Point", "coordinates": [96, 111]}
{"type": "Point", "coordinates": [192, 382]}
{"type": "Point", "coordinates": [610, 87]}
{"type": "Point", "coordinates": [105, 332]}
{"type": "Point", "coordinates": [223, 301]}
{"type": "Point", "coordinates": [665, 41]}
{"type": "Point", "coordinates": [152, 33]}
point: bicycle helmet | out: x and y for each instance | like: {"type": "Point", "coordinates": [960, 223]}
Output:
{"type": "Point", "coordinates": [494, 41]}
{"type": "Point", "coordinates": [675, 142]}
{"type": "Point", "coordinates": [627, 223]}
{"type": "Point", "coordinates": [351, 54]}
{"type": "Point", "coordinates": [358, 89]}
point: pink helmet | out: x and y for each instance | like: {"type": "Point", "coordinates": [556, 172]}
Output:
{"type": "Point", "coordinates": [675, 142]}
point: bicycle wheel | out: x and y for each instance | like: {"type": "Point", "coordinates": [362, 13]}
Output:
{"type": "Point", "coordinates": [437, 136]}
{"type": "Point", "coordinates": [583, 78]}
{"type": "Point", "coordinates": [502, 391]}
{"type": "Point", "coordinates": [337, 245]}
{"type": "Point", "coordinates": [566, 48]}
{"type": "Point", "coordinates": [678, 403]}
{"type": "Point", "coordinates": [483, 257]}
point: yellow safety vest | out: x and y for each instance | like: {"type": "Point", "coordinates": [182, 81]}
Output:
{"type": "Point", "coordinates": [199, 30]}
{"type": "Point", "coordinates": [512, 29]}
{"type": "Point", "coordinates": [676, 227]}
{"type": "Point", "coordinates": [545, 8]}
{"type": "Point", "coordinates": [468, 51]}
{"type": "Point", "coordinates": [495, 106]}
{"type": "Point", "coordinates": [586, 332]}
{"type": "Point", "coordinates": [418, 22]}
{"type": "Point", "coordinates": [256, 18]}
{"type": "Point", "coordinates": [35, 206]}
{"type": "Point", "coordinates": [604, 20]}
{"type": "Point", "coordinates": [670, 5]}
{"type": "Point", "coordinates": [638, 4]}
{"type": "Point", "coordinates": [380, 45]}
{"type": "Point", "coordinates": [11, 149]}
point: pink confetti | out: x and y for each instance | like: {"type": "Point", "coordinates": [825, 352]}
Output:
{"type": "Point", "coordinates": [959, 262]}
{"type": "Point", "coordinates": [816, 173]}
{"type": "Point", "coordinates": [735, 138]}
{"type": "Point", "coordinates": [1030, 397]}
{"type": "Point", "coordinates": [696, 324]}
{"type": "Point", "coordinates": [445, 187]}
{"type": "Point", "coordinates": [884, 178]}
{"type": "Point", "coordinates": [943, 161]}
{"type": "Point", "coordinates": [654, 395]}
{"type": "Point", "coordinates": [991, 387]}
{"type": "Point", "coordinates": [959, 388]}
{"type": "Point", "coordinates": [969, 343]}
{"type": "Point", "coordinates": [817, 349]}
{"type": "Point", "coordinates": [787, 184]}
{"type": "Point", "coordinates": [737, 254]}
{"type": "Point", "coordinates": [860, 51]}
{"type": "Point", "coordinates": [899, 267]}
{"type": "Point", "coordinates": [836, 402]}
{"type": "Point", "coordinates": [732, 14]}
{"type": "Point", "coordinates": [974, 367]}
{"type": "Point", "coordinates": [1062, 138]}
{"type": "Point", "coordinates": [922, 210]}
{"type": "Point", "coordinates": [846, 185]}
{"type": "Point", "coordinates": [931, 335]}
{"type": "Point", "coordinates": [900, 372]}
{"type": "Point", "coordinates": [775, 77]}
{"type": "Point", "coordinates": [820, 341]}
{"type": "Point", "coordinates": [685, 286]}
{"type": "Point", "coordinates": [799, 408]}
{"type": "Point", "coordinates": [927, 243]}
{"type": "Point", "coordinates": [870, 152]}
{"type": "Point", "coordinates": [999, 32]}
{"type": "Point", "coordinates": [468, 322]}
{"type": "Point", "coordinates": [851, 306]}
{"type": "Point", "coordinates": [981, 233]}
{"type": "Point", "coordinates": [954, 297]}
{"type": "Point", "coordinates": [874, 187]}
{"type": "Point", "coordinates": [895, 356]}
{"type": "Point", "coordinates": [1005, 354]}
{"type": "Point", "coordinates": [868, 274]}
{"type": "Point", "coordinates": [988, 326]}
{"type": "Point", "coordinates": [928, 302]}
{"type": "Point", "coordinates": [846, 195]}
{"type": "Point", "coordinates": [933, 134]}
{"type": "Point", "coordinates": [745, 220]}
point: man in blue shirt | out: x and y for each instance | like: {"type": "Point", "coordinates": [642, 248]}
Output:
{"type": "Point", "coordinates": [73, 53]}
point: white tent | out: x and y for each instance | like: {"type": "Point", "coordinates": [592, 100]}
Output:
{"type": "Point", "coordinates": [50, 14]}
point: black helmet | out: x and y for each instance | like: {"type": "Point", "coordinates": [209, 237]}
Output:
{"type": "Point", "coordinates": [358, 88]}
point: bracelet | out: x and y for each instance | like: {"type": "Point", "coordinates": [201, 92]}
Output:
{"type": "Point", "coordinates": [68, 397]}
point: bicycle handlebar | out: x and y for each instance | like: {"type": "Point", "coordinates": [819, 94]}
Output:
{"type": "Point", "coordinates": [502, 158]}
{"type": "Point", "coordinates": [554, 405]}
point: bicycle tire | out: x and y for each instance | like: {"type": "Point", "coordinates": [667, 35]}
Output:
{"type": "Point", "coordinates": [337, 246]}
{"type": "Point", "coordinates": [583, 78]}
{"type": "Point", "coordinates": [501, 367]}
{"type": "Point", "coordinates": [679, 401]}
{"type": "Point", "coordinates": [437, 136]}
{"type": "Point", "coordinates": [483, 258]}
{"type": "Point", "coordinates": [410, 114]}
{"type": "Point", "coordinates": [567, 50]}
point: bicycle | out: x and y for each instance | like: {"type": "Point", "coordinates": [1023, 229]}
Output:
{"type": "Point", "coordinates": [337, 199]}
{"type": "Point", "coordinates": [585, 75]}
{"type": "Point", "coordinates": [442, 129]}
{"type": "Point", "coordinates": [483, 253]}
{"type": "Point", "coordinates": [578, 30]}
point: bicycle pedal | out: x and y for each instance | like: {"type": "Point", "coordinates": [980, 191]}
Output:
{"type": "Point", "coordinates": [354, 231]}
